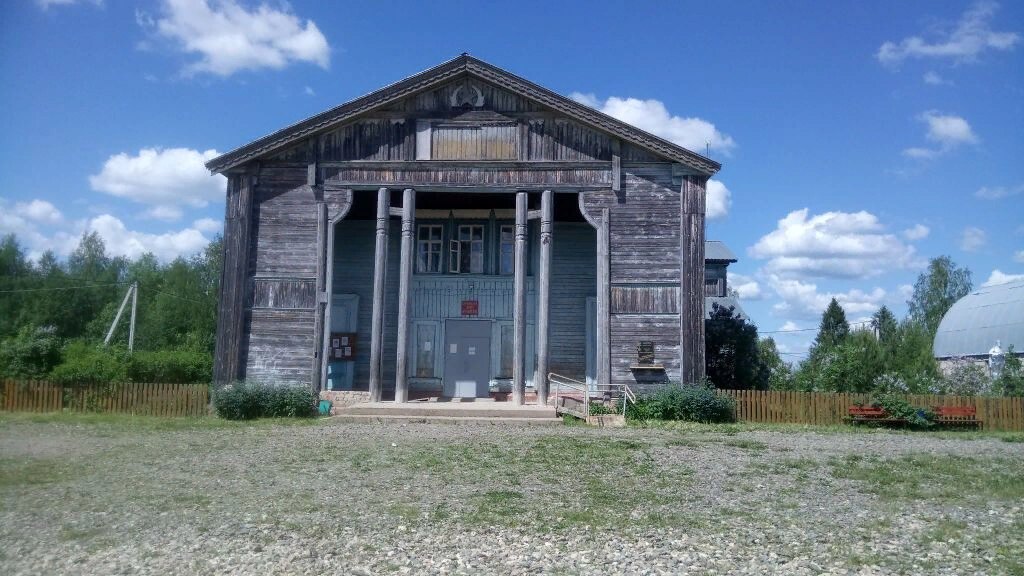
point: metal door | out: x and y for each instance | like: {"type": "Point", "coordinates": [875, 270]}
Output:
{"type": "Point", "coordinates": [467, 358]}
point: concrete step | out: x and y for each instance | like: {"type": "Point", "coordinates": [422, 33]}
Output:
{"type": "Point", "coordinates": [394, 419]}
{"type": "Point", "coordinates": [447, 409]}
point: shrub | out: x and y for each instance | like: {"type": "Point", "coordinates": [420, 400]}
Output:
{"type": "Point", "coordinates": [91, 364]}
{"type": "Point", "coordinates": [171, 366]}
{"type": "Point", "coordinates": [32, 353]}
{"type": "Point", "coordinates": [897, 407]}
{"type": "Point", "coordinates": [598, 408]}
{"type": "Point", "coordinates": [246, 401]}
{"type": "Point", "coordinates": [968, 379]}
{"type": "Point", "coordinates": [696, 403]}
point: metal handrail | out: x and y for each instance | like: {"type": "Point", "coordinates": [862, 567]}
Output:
{"type": "Point", "coordinates": [627, 396]}
{"type": "Point", "coordinates": [560, 381]}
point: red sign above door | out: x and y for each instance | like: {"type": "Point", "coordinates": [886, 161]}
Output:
{"type": "Point", "coordinates": [470, 307]}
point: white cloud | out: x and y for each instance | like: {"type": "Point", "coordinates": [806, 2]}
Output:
{"type": "Point", "coordinates": [208, 225]}
{"type": "Point", "coordinates": [719, 200]}
{"type": "Point", "coordinates": [124, 242]}
{"type": "Point", "coordinates": [166, 179]}
{"type": "Point", "coordinates": [746, 287]}
{"type": "Point", "coordinates": [905, 291]}
{"type": "Point", "coordinates": [309, 91]}
{"type": "Point", "coordinates": [917, 232]}
{"type": "Point", "coordinates": [651, 115]}
{"type": "Point", "coordinates": [1018, 256]}
{"type": "Point", "coordinates": [39, 211]}
{"type": "Point", "coordinates": [972, 239]}
{"type": "Point", "coordinates": [803, 300]}
{"type": "Point", "coordinates": [999, 192]}
{"type": "Point", "coordinates": [946, 131]}
{"type": "Point", "coordinates": [228, 38]}
{"type": "Point", "coordinates": [933, 78]}
{"type": "Point", "coordinates": [833, 244]}
{"type": "Point", "coordinates": [40, 227]}
{"type": "Point", "coordinates": [972, 35]}
{"type": "Point", "coordinates": [998, 277]}
{"type": "Point", "coordinates": [789, 326]}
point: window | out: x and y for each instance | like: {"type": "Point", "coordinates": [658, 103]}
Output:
{"type": "Point", "coordinates": [466, 252]}
{"type": "Point", "coordinates": [506, 250]}
{"type": "Point", "coordinates": [428, 249]}
{"type": "Point", "coordinates": [425, 350]}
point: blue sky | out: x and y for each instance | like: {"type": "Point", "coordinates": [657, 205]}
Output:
{"type": "Point", "coordinates": [858, 139]}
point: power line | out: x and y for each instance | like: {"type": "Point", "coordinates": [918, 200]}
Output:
{"type": "Point", "coordinates": [809, 329]}
{"type": "Point", "coordinates": [176, 296]}
{"type": "Point", "coordinates": [63, 288]}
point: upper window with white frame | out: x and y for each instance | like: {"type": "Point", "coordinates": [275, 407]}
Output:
{"type": "Point", "coordinates": [428, 248]}
{"type": "Point", "coordinates": [466, 250]}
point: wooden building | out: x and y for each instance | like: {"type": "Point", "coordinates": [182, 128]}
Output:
{"type": "Point", "coordinates": [460, 231]}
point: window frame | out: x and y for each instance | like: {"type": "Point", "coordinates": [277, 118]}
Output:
{"type": "Point", "coordinates": [430, 242]}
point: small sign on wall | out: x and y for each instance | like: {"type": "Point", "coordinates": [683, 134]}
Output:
{"type": "Point", "coordinates": [470, 307]}
{"type": "Point", "coordinates": [343, 346]}
{"type": "Point", "coordinates": [645, 353]}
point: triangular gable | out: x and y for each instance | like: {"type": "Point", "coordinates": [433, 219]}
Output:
{"type": "Point", "coordinates": [460, 67]}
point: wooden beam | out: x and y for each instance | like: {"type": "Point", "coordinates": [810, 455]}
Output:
{"type": "Point", "coordinates": [379, 276]}
{"type": "Point", "coordinates": [691, 280]}
{"type": "Point", "coordinates": [540, 379]}
{"type": "Point", "coordinates": [321, 284]}
{"type": "Point", "coordinates": [616, 165]}
{"type": "Point", "coordinates": [603, 288]}
{"type": "Point", "coordinates": [229, 355]}
{"type": "Point", "coordinates": [519, 304]}
{"type": "Point", "coordinates": [404, 287]}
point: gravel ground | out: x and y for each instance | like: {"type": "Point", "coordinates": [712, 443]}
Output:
{"type": "Point", "coordinates": [131, 497]}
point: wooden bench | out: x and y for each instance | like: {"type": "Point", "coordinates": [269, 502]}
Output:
{"type": "Point", "coordinates": [957, 416]}
{"type": "Point", "coordinates": [871, 415]}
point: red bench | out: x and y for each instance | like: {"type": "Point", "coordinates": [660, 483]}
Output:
{"type": "Point", "coordinates": [957, 416]}
{"type": "Point", "coordinates": [871, 415]}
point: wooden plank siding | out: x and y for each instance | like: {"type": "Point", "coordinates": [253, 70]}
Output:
{"type": "Point", "coordinates": [644, 268]}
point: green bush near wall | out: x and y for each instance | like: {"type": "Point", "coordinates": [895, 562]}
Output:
{"type": "Point", "coordinates": [693, 403]}
{"type": "Point", "coordinates": [248, 401]}
{"type": "Point", "coordinates": [88, 363]}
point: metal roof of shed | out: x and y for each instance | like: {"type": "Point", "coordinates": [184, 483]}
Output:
{"type": "Point", "coordinates": [975, 322]}
{"type": "Point", "coordinates": [717, 250]}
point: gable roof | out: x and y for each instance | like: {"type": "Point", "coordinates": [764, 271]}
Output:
{"type": "Point", "coordinates": [455, 68]}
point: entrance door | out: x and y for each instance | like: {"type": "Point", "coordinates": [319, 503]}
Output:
{"type": "Point", "coordinates": [344, 315]}
{"type": "Point", "coordinates": [467, 366]}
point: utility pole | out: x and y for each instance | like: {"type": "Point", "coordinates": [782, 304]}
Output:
{"type": "Point", "coordinates": [133, 292]}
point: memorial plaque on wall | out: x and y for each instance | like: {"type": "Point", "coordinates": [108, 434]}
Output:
{"type": "Point", "coordinates": [343, 346]}
{"type": "Point", "coordinates": [645, 353]}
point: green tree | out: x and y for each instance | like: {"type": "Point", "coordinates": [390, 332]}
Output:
{"type": "Point", "coordinates": [884, 323]}
{"type": "Point", "coordinates": [852, 366]}
{"type": "Point", "coordinates": [833, 328]}
{"type": "Point", "coordinates": [780, 374]}
{"type": "Point", "coordinates": [936, 290]}
{"type": "Point", "coordinates": [731, 351]}
{"type": "Point", "coordinates": [1011, 379]}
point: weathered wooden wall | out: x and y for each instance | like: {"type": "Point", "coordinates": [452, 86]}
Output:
{"type": "Point", "coordinates": [644, 260]}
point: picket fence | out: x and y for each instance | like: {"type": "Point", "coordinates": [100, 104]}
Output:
{"type": "Point", "coordinates": [128, 398]}
{"type": "Point", "coordinates": [824, 408]}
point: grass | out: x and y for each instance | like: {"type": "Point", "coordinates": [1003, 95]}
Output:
{"type": "Point", "coordinates": [935, 477]}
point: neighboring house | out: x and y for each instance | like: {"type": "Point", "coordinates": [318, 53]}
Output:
{"type": "Point", "coordinates": [459, 231]}
{"type": "Point", "coordinates": [717, 258]}
{"type": "Point", "coordinates": [986, 321]}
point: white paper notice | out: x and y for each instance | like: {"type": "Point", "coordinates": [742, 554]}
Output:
{"type": "Point", "coordinates": [453, 349]}
{"type": "Point", "coordinates": [427, 346]}
{"type": "Point", "coordinates": [471, 350]}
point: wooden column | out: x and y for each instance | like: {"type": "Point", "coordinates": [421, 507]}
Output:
{"type": "Point", "coordinates": [379, 275]}
{"type": "Point", "coordinates": [404, 285]}
{"type": "Point", "coordinates": [540, 379]}
{"type": "Point", "coordinates": [603, 290]}
{"type": "Point", "coordinates": [321, 295]}
{"type": "Point", "coordinates": [519, 303]}
{"type": "Point", "coordinates": [691, 280]}
{"type": "Point", "coordinates": [229, 356]}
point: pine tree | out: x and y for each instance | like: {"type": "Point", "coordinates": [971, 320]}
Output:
{"type": "Point", "coordinates": [833, 329]}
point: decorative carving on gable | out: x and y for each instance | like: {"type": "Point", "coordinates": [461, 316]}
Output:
{"type": "Point", "coordinates": [467, 95]}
